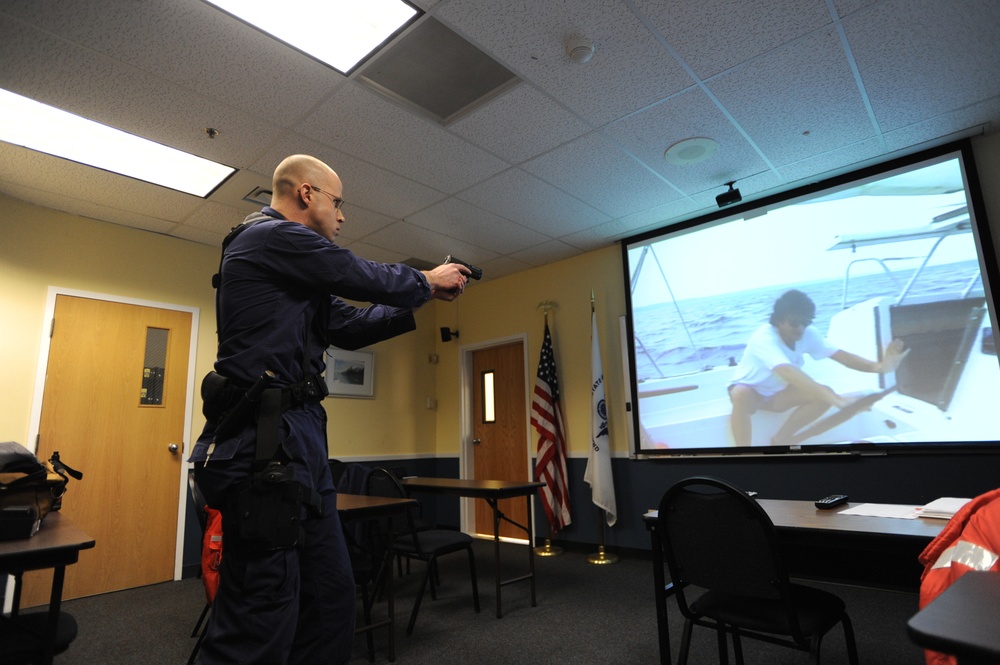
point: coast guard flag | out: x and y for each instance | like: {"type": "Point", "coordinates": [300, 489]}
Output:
{"type": "Point", "coordinates": [546, 417]}
{"type": "Point", "coordinates": [598, 474]}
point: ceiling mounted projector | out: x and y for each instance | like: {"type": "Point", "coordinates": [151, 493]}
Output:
{"type": "Point", "coordinates": [730, 197]}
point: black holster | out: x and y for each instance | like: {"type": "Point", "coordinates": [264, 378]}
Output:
{"type": "Point", "coordinates": [219, 395]}
{"type": "Point", "coordinates": [266, 511]}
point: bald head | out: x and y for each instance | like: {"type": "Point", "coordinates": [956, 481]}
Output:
{"type": "Point", "coordinates": [295, 170]}
{"type": "Point", "coordinates": [304, 190]}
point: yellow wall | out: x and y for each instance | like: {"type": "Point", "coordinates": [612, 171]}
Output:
{"type": "Point", "coordinates": [397, 421]}
{"type": "Point", "coordinates": [506, 307]}
{"type": "Point", "coordinates": [40, 248]}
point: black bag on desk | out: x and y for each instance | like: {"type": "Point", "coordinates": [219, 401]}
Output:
{"type": "Point", "coordinates": [29, 487]}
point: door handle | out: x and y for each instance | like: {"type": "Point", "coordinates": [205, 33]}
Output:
{"type": "Point", "coordinates": [476, 442]}
{"type": "Point", "coordinates": [173, 448]}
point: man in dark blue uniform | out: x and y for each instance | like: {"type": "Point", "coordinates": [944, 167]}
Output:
{"type": "Point", "coordinates": [287, 595]}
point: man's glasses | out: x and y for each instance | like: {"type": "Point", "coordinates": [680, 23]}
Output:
{"type": "Point", "coordinates": [337, 201]}
{"type": "Point", "coordinates": [800, 323]}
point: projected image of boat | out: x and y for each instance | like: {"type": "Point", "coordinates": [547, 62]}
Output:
{"type": "Point", "coordinates": [921, 284]}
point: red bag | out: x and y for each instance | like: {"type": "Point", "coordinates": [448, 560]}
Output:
{"type": "Point", "coordinates": [211, 552]}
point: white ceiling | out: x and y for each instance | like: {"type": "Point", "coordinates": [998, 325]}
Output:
{"type": "Point", "coordinates": [567, 161]}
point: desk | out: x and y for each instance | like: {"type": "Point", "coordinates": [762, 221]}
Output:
{"type": "Point", "coordinates": [56, 545]}
{"type": "Point", "coordinates": [491, 491]}
{"type": "Point", "coordinates": [361, 507]}
{"type": "Point", "coordinates": [800, 522]}
{"type": "Point", "coordinates": [963, 620]}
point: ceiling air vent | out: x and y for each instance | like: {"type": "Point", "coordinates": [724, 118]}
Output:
{"type": "Point", "coordinates": [434, 71]}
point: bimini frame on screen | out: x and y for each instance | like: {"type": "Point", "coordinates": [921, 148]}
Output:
{"type": "Point", "coordinates": [896, 252]}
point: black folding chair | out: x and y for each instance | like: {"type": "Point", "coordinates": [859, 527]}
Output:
{"type": "Point", "coordinates": [729, 574]}
{"type": "Point", "coordinates": [426, 545]}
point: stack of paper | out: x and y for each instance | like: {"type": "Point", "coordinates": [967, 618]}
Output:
{"type": "Point", "coordinates": [943, 508]}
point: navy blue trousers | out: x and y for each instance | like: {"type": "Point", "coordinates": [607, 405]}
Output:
{"type": "Point", "coordinates": [290, 607]}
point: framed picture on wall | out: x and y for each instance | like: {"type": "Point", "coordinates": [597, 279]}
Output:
{"type": "Point", "coordinates": [350, 373]}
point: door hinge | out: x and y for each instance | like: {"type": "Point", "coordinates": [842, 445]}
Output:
{"type": "Point", "coordinates": [52, 327]}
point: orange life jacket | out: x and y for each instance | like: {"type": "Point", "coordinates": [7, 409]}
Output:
{"type": "Point", "coordinates": [211, 552]}
{"type": "Point", "coordinates": [970, 541]}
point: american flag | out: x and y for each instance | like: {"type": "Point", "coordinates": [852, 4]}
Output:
{"type": "Point", "coordinates": [546, 417]}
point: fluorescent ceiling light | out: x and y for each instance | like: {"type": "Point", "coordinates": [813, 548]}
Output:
{"type": "Point", "coordinates": [341, 33]}
{"type": "Point", "coordinates": [34, 125]}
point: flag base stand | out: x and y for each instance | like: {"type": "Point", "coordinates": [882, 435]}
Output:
{"type": "Point", "coordinates": [602, 557]}
{"type": "Point", "coordinates": [548, 549]}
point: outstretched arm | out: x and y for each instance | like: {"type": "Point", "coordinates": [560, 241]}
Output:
{"type": "Point", "coordinates": [894, 354]}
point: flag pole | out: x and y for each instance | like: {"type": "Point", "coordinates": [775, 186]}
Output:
{"type": "Point", "coordinates": [601, 557]}
{"type": "Point", "coordinates": [548, 549]}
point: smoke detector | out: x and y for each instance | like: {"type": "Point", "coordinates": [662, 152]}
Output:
{"type": "Point", "coordinates": [580, 49]}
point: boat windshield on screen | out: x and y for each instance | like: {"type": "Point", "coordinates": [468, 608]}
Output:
{"type": "Point", "coordinates": [896, 263]}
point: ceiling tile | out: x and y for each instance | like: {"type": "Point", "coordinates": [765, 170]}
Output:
{"type": "Point", "coordinates": [598, 236]}
{"type": "Point", "coordinates": [372, 128]}
{"type": "Point", "coordinates": [531, 202]}
{"type": "Point", "coordinates": [500, 128]}
{"type": "Point", "coordinates": [547, 252]}
{"type": "Point", "coordinates": [114, 93]}
{"type": "Point", "coordinates": [697, 29]}
{"type": "Point", "coordinates": [648, 134]}
{"type": "Point", "coordinates": [573, 152]}
{"type": "Point", "coordinates": [412, 240]}
{"type": "Point", "coordinates": [905, 83]}
{"type": "Point", "coordinates": [214, 217]}
{"type": "Point", "coordinates": [365, 184]}
{"type": "Point", "coordinates": [629, 70]}
{"type": "Point", "coordinates": [361, 223]}
{"type": "Point", "coordinates": [198, 235]}
{"type": "Point", "coordinates": [848, 7]}
{"type": "Point", "coordinates": [463, 221]}
{"type": "Point", "coordinates": [195, 45]}
{"type": "Point", "coordinates": [832, 161]}
{"type": "Point", "coordinates": [797, 101]}
{"type": "Point", "coordinates": [501, 267]}
{"type": "Point", "coordinates": [374, 253]}
{"type": "Point", "coordinates": [972, 120]}
{"type": "Point", "coordinates": [60, 179]}
{"type": "Point", "coordinates": [597, 172]}
{"type": "Point", "coordinates": [667, 213]}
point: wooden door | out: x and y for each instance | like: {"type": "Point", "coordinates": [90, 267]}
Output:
{"type": "Point", "coordinates": [502, 451]}
{"type": "Point", "coordinates": [113, 406]}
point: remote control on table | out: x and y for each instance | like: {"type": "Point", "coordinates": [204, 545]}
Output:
{"type": "Point", "coordinates": [831, 501]}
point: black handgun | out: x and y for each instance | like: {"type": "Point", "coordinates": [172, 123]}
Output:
{"type": "Point", "coordinates": [477, 273]}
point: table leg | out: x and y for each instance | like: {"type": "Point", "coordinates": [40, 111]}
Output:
{"type": "Point", "coordinates": [531, 551]}
{"type": "Point", "coordinates": [52, 621]}
{"type": "Point", "coordinates": [496, 549]}
{"type": "Point", "coordinates": [389, 597]}
{"type": "Point", "coordinates": [530, 530]}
